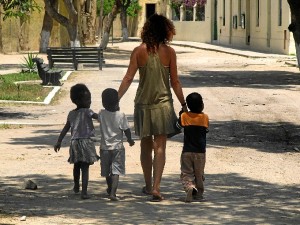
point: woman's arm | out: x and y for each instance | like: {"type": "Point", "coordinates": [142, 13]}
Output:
{"type": "Point", "coordinates": [131, 71]}
{"type": "Point", "coordinates": [175, 82]}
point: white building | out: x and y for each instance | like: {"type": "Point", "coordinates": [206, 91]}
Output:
{"type": "Point", "coordinates": [260, 25]}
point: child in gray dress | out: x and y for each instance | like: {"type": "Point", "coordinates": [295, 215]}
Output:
{"type": "Point", "coordinates": [82, 148]}
{"type": "Point", "coordinates": [113, 124]}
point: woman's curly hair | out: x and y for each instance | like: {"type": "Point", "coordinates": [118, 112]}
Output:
{"type": "Point", "coordinates": [157, 29]}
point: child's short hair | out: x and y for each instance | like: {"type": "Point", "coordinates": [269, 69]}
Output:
{"type": "Point", "coordinates": [195, 102]}
{"type": "Point", "coordinates": [110, 99]}
{"type": "Point", "coordinates": [78, 91]}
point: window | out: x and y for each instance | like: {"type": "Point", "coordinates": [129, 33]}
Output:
{"type": "Point", "coordinates": [175, 6]}
{"type": "Point", "coordinates": [189, 13]}
{"type": "Point", "coordinates": [279, 12]}
{"type": "Point", "coordinates": [224, 13]}
{"type": "Point", "coordinates": [200, 13]}
{"type": "Point", "coordinates": [240, 11]}
{"type": "Point", "coordinates": [257, 13]}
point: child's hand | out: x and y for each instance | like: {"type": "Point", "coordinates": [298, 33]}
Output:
{"type": "Point", "coordinates": [57, 146]}
{"type": "Point", "coordinates": [131, 142]}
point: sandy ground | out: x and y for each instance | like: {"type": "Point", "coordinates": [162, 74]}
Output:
{"type": "Point", "coordinates": [253, 163]}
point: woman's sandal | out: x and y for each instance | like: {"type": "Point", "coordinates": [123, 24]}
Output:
{"type": "Point", "coordinates": [157, 198]}
{"type": "Point", "coordinates": [144, 190]}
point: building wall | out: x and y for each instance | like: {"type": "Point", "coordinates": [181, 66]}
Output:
{"type": "Point", "coordinates": [198, 31]}
{"type": "Point", "coordinates": [268, 36]}
{"type": "Point", "coordinates": [12, 33]}
{"type": "Point", "coordinates": [262, 31]}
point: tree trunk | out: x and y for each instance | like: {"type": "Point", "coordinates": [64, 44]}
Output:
{"type": "Point", "coordinates": [108, 25]}
{"type": "Point", "coordinates": [295, 25]}
{"type": "Point", "coordinates": [123, 17]}
{"type": "Point", "coordinates": [23, 34]}
{"type": "Point", "coordinates": [70, 23]}
{"type": "Point", "coordinates": [46, 33]}
{"type": "Point", "coordinates": [1, 44]}
{"type": "Point", "coordinates": [88, 22]}
{"type": "Point", "coordinates": [100, 28]}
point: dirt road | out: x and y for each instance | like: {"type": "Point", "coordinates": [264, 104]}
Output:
{"type": "Point", "coordinates": [253, 162]}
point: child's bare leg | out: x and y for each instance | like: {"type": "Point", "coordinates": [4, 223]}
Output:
{"type": "Point", "coordinates": [114, 187]}
{"type": "Point", "coordinates": [146, 161]}
{"type": "Point", "coordinates": [85, 179]}
{"type": "Point", "coordinates": [76, 177]}
{"type": "Point", "coordinates": [108, 182]}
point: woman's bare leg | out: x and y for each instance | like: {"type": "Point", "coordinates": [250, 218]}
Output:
{"type": "Point", "coordinates": [159, 146]}
{"type": "Point", "coordinates": [146, 161]}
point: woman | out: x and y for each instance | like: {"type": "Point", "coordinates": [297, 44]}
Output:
{"type": "Point", "coordinates": [154, 115]}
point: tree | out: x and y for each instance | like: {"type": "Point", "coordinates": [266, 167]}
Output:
{"type": "Point", "coordinates": [123, 16]}
{"type": "Point", "coordinates": [129, 8]}
{"type": "Point", "coordinates": [70, 23]}
{"type": "Point", "coordinates": [110, 18]}
{"type": "Point", "coordinates": [104, 7]}
{"type": "Point", "coordinates": [46, 30]}
{"type": "Point", "coordinates": [18, 8]}
{"type": "Point", "coordinates": [294, 27]}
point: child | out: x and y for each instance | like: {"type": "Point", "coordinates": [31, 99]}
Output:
{"type": "Point", "coordinates": [112, 125]}
{"type": "Point", "coordinates": [82, 148]}
{"type": "Point", "coordinates": [195, 124]}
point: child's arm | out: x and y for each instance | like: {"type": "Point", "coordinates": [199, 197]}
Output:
{"type": "Point", "coordinates": [61, 136]}
{"type": "Point", "coordinates": [178, 123]}
{"type": "Point", "coordinates": [128, 135]}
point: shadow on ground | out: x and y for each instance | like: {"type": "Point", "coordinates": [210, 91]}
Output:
{"type": "Point", "coordinates": [230, 199]}
{"type": "Point", "coordinates": [245, 79]}
{"type": "Point", "coordinates": [281, 137]}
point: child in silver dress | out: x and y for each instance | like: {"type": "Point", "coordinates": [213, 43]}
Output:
{"type": "Point", "coordinates": [82, 148]}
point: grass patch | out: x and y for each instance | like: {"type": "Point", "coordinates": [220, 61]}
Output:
{"type": "Point", "coordinates": [14, 77]}
{"type": "Point", "coordinates": [9, 90]}
{"type": "Point", "coordinates": [9, 126]}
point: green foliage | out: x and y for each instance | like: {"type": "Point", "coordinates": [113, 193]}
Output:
{"type": "Point", "coordinates": [10, 90]}
{"type": "Point", "coordinates": [133, 8]}
{"type": "Point", "coordinates": [19, 8]}
{"type": "Point", "coordinates": [107, 6]}
{"type": "Point", "coordinates": [28, 64]}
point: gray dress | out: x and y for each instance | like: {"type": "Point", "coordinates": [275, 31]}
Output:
{"type": "Point", "coordinates": [154, 112]}
{"type": "Point", "coordinates": [82, 147]}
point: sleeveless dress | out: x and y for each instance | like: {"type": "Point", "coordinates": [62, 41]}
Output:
{"type": "Point", "coordinates": [82, 147]}
{"type": "Point", "coordinates": [154, 111]}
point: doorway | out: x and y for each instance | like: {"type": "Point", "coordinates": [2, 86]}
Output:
{"type": "Point", "coordinates": [215, 29]}
{"type": "Point", "coordinates": [150, 10]}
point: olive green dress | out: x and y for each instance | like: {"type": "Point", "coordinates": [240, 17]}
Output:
{"type": "Point", "coordinates": [154, 112]}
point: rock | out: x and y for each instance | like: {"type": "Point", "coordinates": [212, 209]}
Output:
{"type": "Point", "coordinates": [23, 218]}
{"type": "Point", "coordinates": [30, 185]}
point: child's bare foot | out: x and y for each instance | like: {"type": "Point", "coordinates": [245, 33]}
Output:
{"type": "Point", "coordinates": [76, 189]}
{"type": "Point", "coordinates": [113, 198]}
{"type": "Point", "coordinates": [85, 196]}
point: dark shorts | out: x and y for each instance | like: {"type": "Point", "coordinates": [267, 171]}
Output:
{"type": "Point", "coordinates": [112, 162]}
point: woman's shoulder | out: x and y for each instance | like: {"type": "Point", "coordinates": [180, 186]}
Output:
{"type": "Point", "coordinates": [142, 48]}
